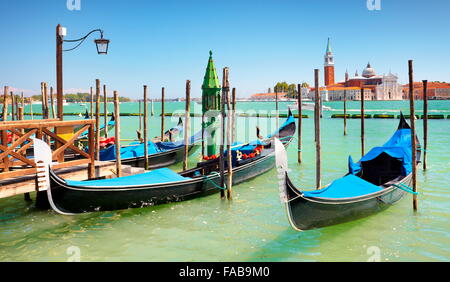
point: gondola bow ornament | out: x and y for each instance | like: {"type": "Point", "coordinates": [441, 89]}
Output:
{"type": "Point", "coordinates": [43, 159]}
{"type": "Point", "coordinates": [282, 168]}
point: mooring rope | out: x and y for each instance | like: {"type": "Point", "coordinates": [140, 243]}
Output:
{"type": "Point", "coordinates": [405, 188]}
{"type": "Point", "coordinates": [214, 173]}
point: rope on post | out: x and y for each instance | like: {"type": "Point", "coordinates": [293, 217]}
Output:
{"type": "Point", "coordinates": [405, 188]}
{"type": "Point", "coordinates": [214, 173]}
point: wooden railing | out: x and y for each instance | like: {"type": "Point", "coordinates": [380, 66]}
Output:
{"type": "Point", "coordinates": [13, 153]}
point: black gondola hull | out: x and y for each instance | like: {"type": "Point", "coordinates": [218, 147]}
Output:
{"type": "Point", "coordinates": [78, 200]}
{"type": "Point", "coordinates": [200, 181]}
{"type": "Point", "coordinates": [309, 213]}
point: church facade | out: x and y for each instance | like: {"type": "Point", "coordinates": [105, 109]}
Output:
{"type": "Point", "coordinates": [376, 87]}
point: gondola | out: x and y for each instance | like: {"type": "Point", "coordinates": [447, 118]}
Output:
{"type": "Point", "coordinates": [377, 181]}
{"type": "Point", "coordinates": [161, 185]}
{"type": "Point", "coordinates": [160, 154]}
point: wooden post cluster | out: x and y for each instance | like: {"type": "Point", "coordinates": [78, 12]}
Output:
{"type": "Point", "coordinates": [187, 124]}
{"type": "Point", "coordinates": [117, 134]}
{"type": "Point", "coordinates": [299, 130]}
{"type": "Point", "coordinates": [425, 123]}
{"type": "Point", "coordinates": [413, 132]}
{"type": "Point", "coordinates": [317, 128]}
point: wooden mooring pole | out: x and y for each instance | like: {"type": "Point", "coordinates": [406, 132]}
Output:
{"type": "Point", "coordinates": [145, 128]}
{"type": "Point", "coordinates": [20, 115]}
{"type": "Point", "coordinates": [187, 124]}
{"type": "Point", "coordinates": [52, 102]}
{"type": "Point", "coordinates": [413, 132]}
{"type": "Point", "coordinates": [152, 107]}
{"type": "Point", "coordinates": [105, 109]}
{"type": "Point", "coordinates": [362, 121]}
{"type": "Point", "coordinates": [425, 123]}
{"type": "Point", "coordinates": [31, 107]}
{"type": "Point", "coordinates": [139, 133]}
{"type": "Point", "coordinates": [317, 128]}
{"type": "Point", "coordinates": [22, 101]}
{"type": "Point", "coordinates": [233, 126]}
{"type": "Point", "coordinates": [299, 130]}
{"type": "Point", "coordinates": [222, 132]}
{"type": "Point", "coordinates": [162, 114]}
{"type": "Point", "coordinates": [91, 100]}
{"type": "Point", "coordinates": [5, 104]}
{"type": "Point", "coordinates": [276, 109]}
{"type": "Point", "coordinates": [97, 119]}
{"type": "Point", "coordinates": [117, 134]}
{"type": "Point", "coordinates": [13, 106]}
{"type": "Point", "coordinates": [229, 141]}
{"type": "Point", "coordinates": [345, 112]}
{"type": "Point", "coordinates": [44, 101]}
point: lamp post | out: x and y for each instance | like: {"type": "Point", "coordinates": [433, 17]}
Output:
{"type": "Point", "coordinates": [61, 32]}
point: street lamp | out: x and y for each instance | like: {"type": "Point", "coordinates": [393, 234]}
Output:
{"type": "Point", "coordinates": [61, 32]}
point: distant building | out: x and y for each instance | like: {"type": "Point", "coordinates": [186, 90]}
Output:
{"type": "Point", "coordinates": [268, 96]}
{"type": "Point", "coordinates": [435, 90]}
{"type": "Point", "coordinates": [381, 87]}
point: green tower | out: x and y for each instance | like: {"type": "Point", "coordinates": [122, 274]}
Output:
{"type": "Point", "coordinates": [210, 102]}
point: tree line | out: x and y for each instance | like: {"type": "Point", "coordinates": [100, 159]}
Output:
{"type": "Point", "coordinates": [289, 89]}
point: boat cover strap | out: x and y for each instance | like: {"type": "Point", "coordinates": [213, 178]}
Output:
{"type": "Point", "coordinates": [162, 175]}
{"type": "Point", "coordinates": [346, 187]}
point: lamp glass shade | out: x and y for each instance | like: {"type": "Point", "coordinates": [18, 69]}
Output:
{"type": "Point", "coordinates": [102, 46]}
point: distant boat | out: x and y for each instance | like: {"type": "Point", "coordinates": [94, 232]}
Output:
{"type": "Point", "coordinates": [307, 106]}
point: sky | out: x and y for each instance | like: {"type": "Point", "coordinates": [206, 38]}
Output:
{"type": "Point", "coordinates": [163, 43]}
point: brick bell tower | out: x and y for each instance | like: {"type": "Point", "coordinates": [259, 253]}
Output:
{"type": "Point", "coordinates": [329, 66]}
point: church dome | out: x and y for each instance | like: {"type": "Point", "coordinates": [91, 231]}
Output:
{"type": "Point", "coordinates": [368, 71]}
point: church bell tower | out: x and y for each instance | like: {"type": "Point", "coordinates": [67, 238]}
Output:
{"type": "Point", "coordinates": [329, 65]}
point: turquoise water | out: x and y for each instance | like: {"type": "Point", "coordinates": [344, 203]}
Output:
{"type": "Point", "coordinates": [254, 226]}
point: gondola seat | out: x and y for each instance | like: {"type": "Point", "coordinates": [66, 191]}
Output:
{"type": "Point", "coordinates": [346, 187]}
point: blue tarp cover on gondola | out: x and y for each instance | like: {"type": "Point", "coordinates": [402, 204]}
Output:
{"type": "Point", "coordinates": [345, 187]}
{"type": "Point", "coordinates": [399, 147]}
{"type": "Point", "coordinates": [162, 175]}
